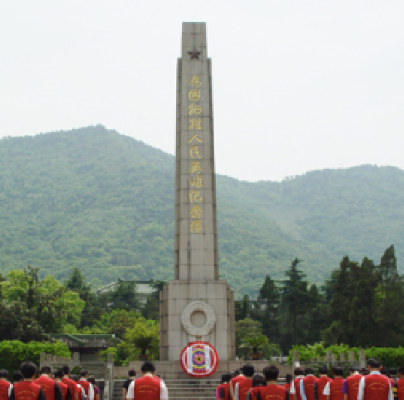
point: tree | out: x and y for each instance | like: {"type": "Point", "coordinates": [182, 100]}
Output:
{"type": "Point", "coordinates": [116, 322]}
{"type": "Point", "coordinates": [269, 300]}
{"type": "Point", "coordinates": [343, 293]}
{"type": "Point", "coordinates": [388, 265]}
{"type": "Point", "coordinates": [94, 305]}
{"type": "Point", "coordinates": [363, 306]}
{"type": "Point", "coordinates": [123, 297]}
{"type": "Point", "coordinates": [151, 309]}
{"type": "Point", "coordinates": [389, 295]}
{"type": "Point", "coordinates": [352, 309]}
{"type": "Point", "coordinates": [145, 335]}
{"type": "Point", "coordinates": [244, 329]}
{"type": "Point", "coordinates": [270, 350]}
{"type": "Point", "coordinates": [46, 300]}
{"type": "Point", "coordinates": [294, 297]}
{"type": "Point", "coordinates": [142, 337]}
{"type": "Point", "coordinates": [253, 342]}
{"type": "Point", "coordinates": [327, 287]}
{"type": "Point", "coordinates": [316, 316]}
{"type": "Point", "coordinates": [17, 322]}
{"type": "Point", "coordinates": [76, 282]}
{"type": "Point", "coordinates": [242, 308]}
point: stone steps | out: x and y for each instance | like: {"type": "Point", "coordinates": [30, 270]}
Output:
{"type": "Point", "coordinates": [196, 389]}
{"type": "Point", "coordinates": [180, 389]}
{"type": "Point", "coordinates": [117, 393]}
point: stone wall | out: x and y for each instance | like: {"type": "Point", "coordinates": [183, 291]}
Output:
{"type": "Point", "coordinates": [56, 362]}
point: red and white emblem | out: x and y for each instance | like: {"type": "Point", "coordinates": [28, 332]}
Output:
{"type": "Point", "coordinates": [199, 359]}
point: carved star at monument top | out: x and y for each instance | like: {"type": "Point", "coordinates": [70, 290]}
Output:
{"type": "Point", "coordinates": [194, 54]}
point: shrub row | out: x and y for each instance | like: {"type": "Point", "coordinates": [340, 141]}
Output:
{"type": "Point", "coordinates": [14, 352]}
{"type": "Point", "coordinates": [389, 356]}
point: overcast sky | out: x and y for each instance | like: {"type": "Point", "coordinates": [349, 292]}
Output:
{"type": "Point", "coordinates": [297, 85]}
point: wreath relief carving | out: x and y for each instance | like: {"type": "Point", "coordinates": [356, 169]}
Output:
{"type": "Point", "coordinates": [198, 306]}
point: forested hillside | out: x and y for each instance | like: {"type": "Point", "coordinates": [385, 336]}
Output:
{"type": "Point", "coordinates": [93, 199]}
{"type": "Point", "coordinates": [357, 211]}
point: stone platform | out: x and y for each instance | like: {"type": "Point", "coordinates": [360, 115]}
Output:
{"type": "Point", "coordinates": [202, 389]}
{"type": "Point", "coordinates": [169, 370]}
{"type": "Point", "coordinates": [184, 389]}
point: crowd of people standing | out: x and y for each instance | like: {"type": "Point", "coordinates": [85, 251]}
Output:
{"type": "Point", "coordinates": [59, 385]}
{"type": "Point", "coordinates": [62, 385]}
{"type": "Point", "coordinates": [371, 383]}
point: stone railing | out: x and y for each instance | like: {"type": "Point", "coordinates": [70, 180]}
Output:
{"type": "Point", "coordinates": [56, 362]}
{"type": "Point", "coordinates": [330, 359]}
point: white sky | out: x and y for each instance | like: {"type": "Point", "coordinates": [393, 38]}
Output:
{"type": "Point", "coordinates": [298, 85]}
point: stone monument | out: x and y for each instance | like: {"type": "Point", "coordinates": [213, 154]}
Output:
{"type": "Point", "coordinates": [196, 305]}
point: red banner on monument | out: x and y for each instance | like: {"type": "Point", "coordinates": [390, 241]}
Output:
{"type": "Point", "coordinates": [199, 359]}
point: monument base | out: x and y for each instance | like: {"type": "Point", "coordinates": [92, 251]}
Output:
{"type": "Point", "coordinates": [197, 311]}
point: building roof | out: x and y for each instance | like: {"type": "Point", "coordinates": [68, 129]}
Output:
{"type": "Point", "coordinates": [101, 341]}
{"type": "Point", "coordinates": [143, 288]}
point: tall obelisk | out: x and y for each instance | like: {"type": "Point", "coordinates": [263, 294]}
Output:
{"type": "Point", "coordinates": [196, 305]}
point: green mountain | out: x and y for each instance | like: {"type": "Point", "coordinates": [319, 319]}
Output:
{"type": "Point", "coordinates": [93, 199]}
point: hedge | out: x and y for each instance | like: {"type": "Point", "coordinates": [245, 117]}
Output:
{"type": "Point", "coordinates": [389, 356]}
{"type": "Point", "coordinates": [14, 352]}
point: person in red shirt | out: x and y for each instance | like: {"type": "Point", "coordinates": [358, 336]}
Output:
{"type": "Point", "coordinates": [258, 381]}
{"type": "Point", "coordinates": [5, 385]}
{"type": "Point", "coordinates": [69, 382]}
{"type": "Point", "coordinates": [87, 386]}
{"type": "Point", "coordinates": [66, 395]}
{"type": "Point", "coordinates": [50, 388]}
{"type": "Point", "coordinates": [79, 389]}
{"type": "Point", "coordinates": [308, 385]}
{"type": "Point", "coordinates": [272, 389]}
{"type": "Point", "coordinates": [351, 384]}
{"type": "Point", "coordinates": [374, 386]}
{"type": "Point", "coordinates": [333, 389]}
{"type": "Point", "coordinates": [244, 385]}
{"type": "Point", "coordinates": [288, 379]}
{"type": "Point", "coordinates": [147, 387]}
{"type": "Point", "coordinates": [321, 382]}
{"type": "Point", "coordinates": [399, 385]}
{"type": "Point", "coordinates": [223, 390]}
{"type": "Point", "coordinates": [239, 377]}
{"type": "Point", "coordinates": [295, 386]}
{"type": "Point", "coordinates": [27, 390]}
